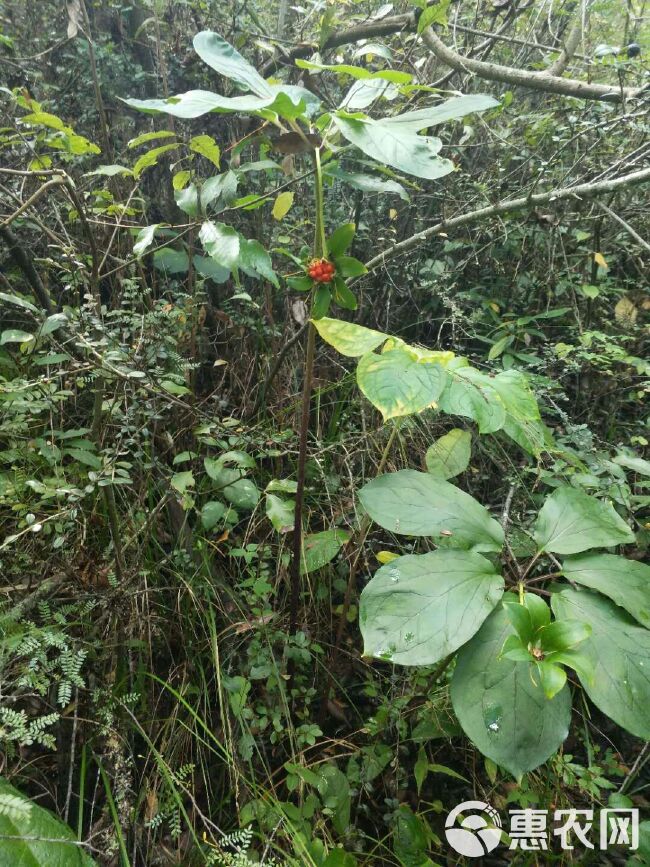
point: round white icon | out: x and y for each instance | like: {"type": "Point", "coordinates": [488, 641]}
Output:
{"type": "Point", "coordinates": [475, 836]}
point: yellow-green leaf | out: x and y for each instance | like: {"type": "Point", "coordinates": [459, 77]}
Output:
{"type": "Point", "coordinates": [282, 205]}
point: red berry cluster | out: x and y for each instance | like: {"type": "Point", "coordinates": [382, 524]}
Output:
{"type": "Point", "coordinates": [321, 270]}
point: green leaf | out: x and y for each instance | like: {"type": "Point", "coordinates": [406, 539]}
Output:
{"type": "Point", "coordinates": [366, 183]}
{"type": "Point", "coordinates": [397, 383]}
{"type": "Point", "coordinates": [209, 268]}
{"type": "Point", "coordinates": [282, 205]}
{"type": "Point", "coordinates": [411, 503]}
{"type": "Point", "coordinates": [280, 513]}
{"type": "Point", "coordinates": [319, 548]}
{"type": "Point", "coordinates": [151, 158]}
{"type": "Point", "coordinates": [334, 791]}
{"type": "Point", "coordinates": [171, 261]}
{"type": "Point", "coordinates": [212, 514]}
{"type": "Point", "coordinates": [187, 200]}
{"type": "Point", "coordinates": [340, 239]}
{"type": "Point", "coordinates": [18, 302]}
{"type": "Point", "coordinates": [289, 101]}
{"type": "Point", "coordinates": [571, 521]}
{"type": "Point", "coordinates": [436, 14]}
{"type": "Point", "coordinates": [552, 678]}
{"type": "Point", "coordinates": [207, 147]}
{"type": "Point", "coordinates": [227, 61]}
{"type": "Point", "coordinates": [563, 635]}
{"type": "Point", "coordinates": [53, 323]}
{"type": "Point", "coordinates": [223, 186]}
{"type": "Point", "coordinates": [221, 242]}
{"type": "Point", "coordinates": [411, 839]}
{"type": "Point", "coordinates": [358, 72]}
{"type": "Point", "coordinates": [343, 296]}
{"type": "Point", "coordinates": [404, 150]}
{"type": "Point", "coordinates": [15, 335]}
{"type": "Point", "coordinates": [500, 708]}
{"type": "Point", "coordinates": [110, 171]}
{"type": "Point", "coordinates": [634, 463]}
{"type": "Point", "coordinates": [321, 303]}
{"type": "Point", "coordinates": [626, 582]}
{"type": "Point", "coordinates": [256, 262]}
{"type": "Point", "coordinates": [347, 338]}
{"type": "Point", "coordinates": [450, 455]}
{"type": "Point", "coordinates": [242, 493]}
{"type": "Point", "coordinates": [421, 768]}
{"type": "Point", "coordinates": [85, 457]}
{"type": "Point", "coordinates": [349, 267]}
{"type": "Point", "coordinates": [144, 239]}
{"type": "Point", "coordinates": [451, 109]}
{"type": "Point", "coordinates": [619, 652]}
{"type": "Point", "coordinates": [421, 607]}
{"type": "Point", "coordinates": [33, 837]}
{"type": "Point", "coordinates": [182, 481]}
{"type": "Point", "coordinates": [150, 136]}
{"type": "Point", "coordinates": [473, 397]}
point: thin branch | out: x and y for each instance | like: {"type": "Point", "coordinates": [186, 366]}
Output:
{"type": "Point", "coordinates": [525, 78]}
{"type": "Point", "coordinates": [626, 226]}
{"type": "Point", "coordinates": [579, 191]}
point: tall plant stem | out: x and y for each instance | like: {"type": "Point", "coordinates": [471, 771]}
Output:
{"type": "Point", "coordinates": [319, 250]}
{"type": "Point", "coordinates": [364, 528]}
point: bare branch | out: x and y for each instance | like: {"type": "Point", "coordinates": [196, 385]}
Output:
{"type": "Point", "coordinates": [524, 78]}
{"type": "Point", "coordinates": [579, 191]}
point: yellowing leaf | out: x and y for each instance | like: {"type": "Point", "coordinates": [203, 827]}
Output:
{"type": "Point", "coordinates": [386, 556]}
{"type": "Point", "coordinates": [282, 205]}
{"type": "Point", "coordinates": [599, 259]}
{"type": "Point", "coordinates": [207, 147]}
{"type": "Point", "coordinates": [625, 311]}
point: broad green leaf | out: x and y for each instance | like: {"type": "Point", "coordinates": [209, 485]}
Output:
{"type": "Point", "coordinates": [436, 14]}
{"type": "Point", "coordinates": [321, 303]}
{"type": "Point", "coordinates": [634, 463]}
{"type": "Point", "coordinates": [144, 239]}
{"type": "Point", "coordinates": [207, 147]}
{"type": "Point", "coordinates": [187, 200]}
{"type": "Point", "coordinates": [401, 148]}
{"type": "Point", "coordinates": [411, 838]}
{"type": "Point", "coordinates": [208, 268]}
{"type": "Point", "coordinates": [411, 503]}
{"type": "Point", "coordinates": [334, 790]}
{"type": "Point", "coordinates": [151, 158]}
{"type": "Point", "coordinates": [18, 302]}
{"type": "Point", "coordinates": [227, 61]}
{"type": "Point", "coordinates": [241, 492]}
{"type": "Point", "coordinates": [212, 513]}
{"type": "Point", "coordinates": [366, 183]}
{"type": "Point", "coordinates": [501, 709]}
{"type": "Point", "coordinates": [171, 261]}
{"type": "Point", "coordinates": [53, 323]}
{"type": "Point", "coordinates": [221, 242]}
{"type": "Point", "coordinates": [349, 267]}
{"type": "Point", "coordinates": [282, 205]}
{"type": "Point", "coordinates": [182, 481]}
{"type": "Point", "coordinates": [474, 398]}
{"type": "Point", "coordinates": [340, 239]}
{"type": "Point", "coordinates": [451, 109]}
{"type": "Point", "coordinates": [571, 521]}
{"type": "Point", "coordinates": [15, 335]}
{"type": "Point", "coordinates": [619, 651]}
{"type": "Point", "coordinates": [280, 513]}
{"type": "Point", "coordinates": [289, 101]}
{"type": "Point", "coordinates": [363, 93]}
{"type": "Point", "coordinates": [449, 456]}
{"type": "Point", "coordinates": [626, 582]}
{"type": "Point", "coordinates": [319, 548]}
{"type": "Point", "coordinates": [397, 383]}
{"type": "Point", "coordinates": [421, 607]}
{"type": "Point", "coordinates": [256, 262]}
{"type": "Point", "coordinates": [31, 836]}
{"type": "Point", "coordinates": [342, 295]}
{"type": "Point", "coordinates": [223, 186]}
